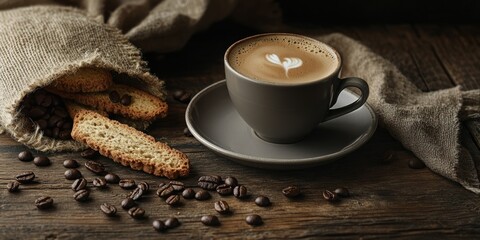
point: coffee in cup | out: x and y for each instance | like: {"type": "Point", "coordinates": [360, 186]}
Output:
{"type": "Point", "coordinates": [283, 85]}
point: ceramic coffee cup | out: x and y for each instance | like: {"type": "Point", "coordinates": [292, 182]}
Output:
{"type": "Point", "coordinates": [283, 85]}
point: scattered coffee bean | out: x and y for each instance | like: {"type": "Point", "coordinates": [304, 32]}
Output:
{"type": "Point", "coordinates": [44, 202]}
{"type": "Point", "coordinates": [165, 190]}
{"type": "Point", "coordinates": [128, 203]}
{"type": "Point", "coordinates": [330, 196]}
{"type": "Point", "coordinates": [99, 182]}
{"type": "Point", "coordinates": [112, 178]}
{"type": "Point", "coordinates": [126, 100]}
{"type": "Point", "coordinates": [13, 186]}
{"type": "Point", "coordinates": [188, 193]}
{"type": "Point", "coordinates": [177, 186]}
{"type": "Point", "coordinates": [209, 182]}
{"type": "Point", "coordinates": [172, 222]}
{"type": "Point", "coordinates": [187, 133]}
{"type": "Point", "coordinates": [342, 192]}
{"type": "Point", "coordinates": [72, 174]}
{"type": "Point", "coordinates": [25, 156]}
{"type": "Point", "coordinates": [231, 181]}
{"type": "Point", "coordinates": [262, 201]}
{"type": "Point", "coordinates": [81, 195]}
{"type": "Point", "coordinates": [254, 220]}
{"type": "Point", "coordinates": [224, 189]}
{"type": "Point", "coordinates": [41, 161]}
{"type": "Point", "coordinates": [159, 225]}
{"type": "Point", "coordinates": [221, 207]}
{"type": "Point", "coordinates": [108, 209]}
{"type": "Point", "coordinates": [240, 191]}
{"type": "Point", "coordinates": [291, 192]}
{"type": "Point", "coordinates": [70, 163]}
{"type": "Point", "coordinates": [144, 186]}
{"type": "Point", "coordinates": [136, 212]}
{"type": "Point", "coordinates": [416, 163]}
{"type": "Point", "coordinates": [79, 184]}
{"type": "Point", "coordinates": [173, 200]}
{"type": "Point", "coordinates": [210, 220]}
{"type": "Point", "coordinates": [202, 195]}
{"type": "Point", "coordinates": [95, 167]}
{"type": "Point", "coordinates": [136, 194]}
{"type": "Point", "coordinates": [127, 183]}
{"type": "Point", "coordinates": [89, 154]}
{"type": "Point", "coordinates": [25, 177]}
{"type": "Point", "coordinates": [114, 96]}
{"type": "Point", "coordinates": [181, 96]}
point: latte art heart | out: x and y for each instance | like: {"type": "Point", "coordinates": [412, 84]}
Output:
{"type": "Point", "coordinates": [287, 63]}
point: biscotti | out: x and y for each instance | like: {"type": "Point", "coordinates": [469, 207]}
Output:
{"type": "Point", "coordinates": [84, 80]}
{"type": "Point", "coordinates": [74, 108]}
{"type": "Point", "coordinates": [144, 106]}
{"type": "Point", "coordinates": [128, 146]}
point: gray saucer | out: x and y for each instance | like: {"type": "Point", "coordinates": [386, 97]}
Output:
{"type": "Point", "coordinates": [213, 120]}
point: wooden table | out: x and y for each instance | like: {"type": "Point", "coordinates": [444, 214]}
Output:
{"type": "Point", "coordinates": [388, 198]}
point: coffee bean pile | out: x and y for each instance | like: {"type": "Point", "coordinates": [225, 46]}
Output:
{"type": "Point", "coordinates": [48, 112]}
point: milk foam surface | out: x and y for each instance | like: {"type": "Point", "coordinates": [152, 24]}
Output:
{"type": "Point", "coordinates": [283, 59]}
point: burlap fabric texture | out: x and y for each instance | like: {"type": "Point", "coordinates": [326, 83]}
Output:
{"type": "Point", "coordinates": [40, 44]}
{"type": "Point", "coordinates": [426, 123]}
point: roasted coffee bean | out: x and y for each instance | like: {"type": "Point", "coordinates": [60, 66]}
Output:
{"type": "Point", "coordinates": [114, 96]}
{"type": "Point", "coordinates": [144, 186]}
{"type": "Point", "coordinates": [127, 183]}
{"type": "Point", "coordinates": [136, 212]}
{"type": "Point", "coordinates": [202, 195]}
{"type": "Point", "coordinates": [187, 133]}
{"type": "Point", "coordinates": [61, 112]}
{"type": "Point", "coordinates": [44, 202]}
{"type": "Point", "coordinates": [188, 193]}
{"type": "Point", "coordinates": [165, 190]}
{"type": "Point", "coordinates": [254, 220]}
{"type": "Point", "coordinates": [221, 207]}
{"type": "Point", "coordinates": [416, 163]}
{"type": "Point", "coordinates": [136, 194]}
{"type": "Point", "coordinates": [95, 167]}
{"type": "Point", "coordinates": [128, 203]}
{"type": "Point", "coordinates": [79, 184]}
{"type": "Point", "coordinates": [172, 222]}
{"type": "Point", "coordinates": [41, 161]}
{"type": "Point", "coordinates": [36, 112]}
{"type": "Point", "coordinates": [209, 182]}
{"type": "Point", "coordinates": [291, 192]}
{"type": "Point", "coordinates": [342, 192]}
{"type": "Point", "coordinates": [25, 156]}
{"type": "Point", "coordinates": [181, 96]}
{"type": "Point", "coordinates": [99, 182]}
{"type": "Point", "coordinates": [53, 120]}
{"type": "Point", "coordinates": [173, 200]}
{"type": "Point", "coordinates": [388, 156]}
{"type": "Point", "coordinates": [42, 124]}
{"type": "Point", "coordinates": [330, 196]}
{"type": "Point", "coordinates": [210, 220]}
{"type": "Point", "coordinates": [70, 163]}
{"type": "Point", "coordinates": [224, 189]}
{"type": "Point", "coordinates": [159, 225]}
{"type": "Point", "coordinates": [108, 209]}
{"type": "Point", "coordinates": [126, 100]}
{"type": "Point", "coordinates": [25, 177]}
{"type": "Point", "coordinates": [64, 135]}
{"type": "Point", "coordinates": [89, 154]}
{"type": "Point", "coordinates": [67, 125]}
{"type": "Point", "coordinates": [112, 178]}
{"type": "Point", "coordinates": [13, 186]}
{"type": "Point", "coordinates": [240, 191]}
{"type": "Point", "coordinates": [231, 181]}
{"type": "Point", "coordinates": [55, 132]}
{"type": "Point", "coordinates": [177, 186]}
{"type": "Point", "coordinates": [47, 101]}
{"type": "Point", "coordinates": [81, 195]}
{"type": "Point", "coordinates": [72, 174]}
{"type": "Point", "coordinates": [262, 201]}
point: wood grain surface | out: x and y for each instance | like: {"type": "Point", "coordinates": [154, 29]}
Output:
{"type": "Point", "coordinates": [389, 200]}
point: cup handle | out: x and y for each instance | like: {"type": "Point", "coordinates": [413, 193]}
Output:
{"type": "Point", "coordinates": [344, 83]}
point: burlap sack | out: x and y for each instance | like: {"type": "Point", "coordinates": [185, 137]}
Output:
{"type": "Point", "coordinates": [40, 44]}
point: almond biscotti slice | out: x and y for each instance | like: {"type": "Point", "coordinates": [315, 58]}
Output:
{"type": "Point", "coordinates": [84, 80]}
{"type": "Point", "coordinates": [128, 146]}
{"type": "Point", "coordinates": [144, 106]}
